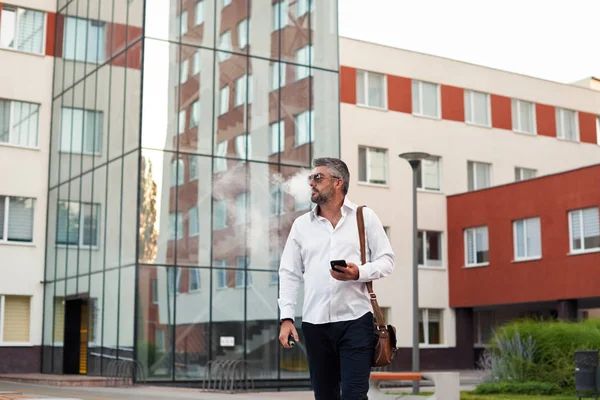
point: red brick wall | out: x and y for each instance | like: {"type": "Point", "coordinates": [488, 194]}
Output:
{"type": "Point", "coordinates": [557, 275]}
{"type": "Point", "coordinates": [453, 103]}
{"type": "Point", "coordinates": [501, 112]}
{"type": "Point", "coordinates": [546, 120]}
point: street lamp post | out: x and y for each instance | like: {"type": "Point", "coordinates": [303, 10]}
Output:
{"type": "Point", "coordinates": [414, 159]}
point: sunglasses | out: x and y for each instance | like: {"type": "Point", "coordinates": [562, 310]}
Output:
{"type": "Point", "coordinates": [319, 177]}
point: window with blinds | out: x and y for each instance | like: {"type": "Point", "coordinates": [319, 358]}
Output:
{"type": "Point", "coordinates": [477, 108]}
{"type": "Point", "coordinates": [523, 116]}
{"type": "Point", "coordinates": [479, 175]}
{"type": "Point", "coordinates": [426, 99]}
{"type": "Point", "coordinates": [19, 123]}
{"type": "Point", "coordinates": [567, 126]}
{"type": "Point", "coordinates": [429, 174]}
{"type": "Point", "coordinates": [81, 131]}
{"type": "Point", "coordinates": [584, 229]}
{"type": "Point", "coordinates": [85, 40]}
{"type": "Point", "coordinates": [16, 219]}
{"type": "Point", "coordinates": [22, 29]}
{"type": "Point", "coordinates": [15, 319]}
{"type": "Point", "coordinates": [78, 224]}
{"type": "Point", "coordinates": [372, 165]}
{"type": "Point", "coordinates": [476, 246]}
{"type": "Point", "coordinates": [527, 239]}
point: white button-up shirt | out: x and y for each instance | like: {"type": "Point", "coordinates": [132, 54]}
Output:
{"type": "Point", "coordinates": [312, 244]}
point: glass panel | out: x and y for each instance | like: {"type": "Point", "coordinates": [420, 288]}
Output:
{"type": "Point", "coordinates": [325, 133]}
{"type": "Point", "coordinates": [262, 326]}
{"type": "Point", "coordinates": [420, 251]}
{"type": "Point", "coordinates": [50, 264]}
{"type": "Point", "coordinates": [194, 203]}
{"type": "Point", "coordinates": [126, 315]}
{"type": "Point", "coordinates": [24, 123]}
{"type": "Point", "coordinates": [416, 97]}
{"type": "Point", "coordinates": [434, 249]}
{"type": "Point", "coordinates": [468, 106]}
{"type": "Point", "coordinates": [324, 31]}
{"type": "Point", "coordinates": [95, 306]}
{"type": "Point", "coordinates": [59, 327]}
{"type": "Point", "coordinates": [576, 243]}
{"type": "Point", "coordinates": [110, 318]}
{"type": "Point", "coordinates": [8, 27]}
{"type": "Point", "coordinates": [264, 19]}
{"type": "Point", "coordinates": [48, 333]}
{"type": "Point", "coordinates": [98, 206]}
{"type": "Point", "coordinates": [435, 327]}
{"type": "Point", "coordinates": [361, 77]}
{"type": "Point", "coordinates": [520, 238]}
{"type": "Point", "coordinates": [591, 228]}
{"type": "Point", "coordinates": [156, 316]}
{"type": "Point", "coordinates": [482, 245]}
{"type": "Point", "coordinates": [480, 101]}
{"type": "Point", "coordinates": [228, 316]}
{"type": "Point", "coordinates": [262, 110]}
{"type": "Point", "coordinates": [431, 174]}
{"type": "Point", "coordinates": [430, 99]}
{"type": "Point", "coordinates": [376, 90]}
{"type": "Point", "coordinates": [113, 213]}
{"type": "Point", "coordinates": [362, 164]}
{"type": "Point", "coordinates": [20, 219]}
{"type": "Point", "coordinates": [534, 245]}
{"type": "Point", "coordinates": [192, 324]}
{"type": "Point", "coordinates": [294, 107]}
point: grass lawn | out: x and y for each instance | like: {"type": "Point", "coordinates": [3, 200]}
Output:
{"type": "Point", "coordinates": [472, 396]}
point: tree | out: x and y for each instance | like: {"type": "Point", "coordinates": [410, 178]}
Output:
{"type": "Point", "coordinates": [148, 237]}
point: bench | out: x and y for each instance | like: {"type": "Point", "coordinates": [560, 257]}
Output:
{"type": "Point", "coordinates": [447, 384]}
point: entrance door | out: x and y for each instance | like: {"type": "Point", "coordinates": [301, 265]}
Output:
{"type": "Point", "coordinates": [76, 337]}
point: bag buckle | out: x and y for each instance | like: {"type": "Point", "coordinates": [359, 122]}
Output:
{"type": "Point", "coordinates": [373, 296]}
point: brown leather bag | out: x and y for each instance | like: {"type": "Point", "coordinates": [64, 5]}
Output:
{"type": "Point", "coordinates": [386, 334]}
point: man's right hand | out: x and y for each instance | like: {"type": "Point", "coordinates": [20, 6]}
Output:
{"type": "Point", "coordinates": [287, 328]}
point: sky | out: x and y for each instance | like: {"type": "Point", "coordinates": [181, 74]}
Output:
{"type": "Point", "coordinates": [555, 40]}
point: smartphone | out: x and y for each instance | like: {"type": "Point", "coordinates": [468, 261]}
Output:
{"type": "Point", "coordinates": [338, 263]}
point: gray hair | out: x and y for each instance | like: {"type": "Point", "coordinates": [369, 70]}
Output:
{"type": "Point", "coordinates": [337, 168]}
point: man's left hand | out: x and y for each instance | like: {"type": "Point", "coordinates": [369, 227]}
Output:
{"type": "Point", "coordinates": [350, 273]}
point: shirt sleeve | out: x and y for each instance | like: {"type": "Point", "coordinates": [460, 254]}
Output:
{"type": "Point", "coordinates": [382, 260]}
{"type": "Point", "coordinates": [290, 276]}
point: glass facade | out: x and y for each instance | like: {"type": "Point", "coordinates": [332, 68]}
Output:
{"type": "Point", "coordinates": [175, 126]}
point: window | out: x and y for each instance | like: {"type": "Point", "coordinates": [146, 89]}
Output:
{"type": "Point", "coordinates": [183, 72]}
{"type": "Point", "coordinates": [277, 142]}
{"type": "Point", "coordinates": [240, 90]}
{"type": "Point", "coordinates": [177, 172]}
{"type": "Point", "coordinates": [428, 174]}
{"type": "Point", "coordinates": [523, 116]}
{"type": "Point", "coordinates": [426, 99]}
{"type": "Point", "coordinates": [224, 101]}
{"type": "Point", "coordinates": [77, 47]}
{"type": "Point", "coordinates": [479, 175]}
{"type": "Point", "coordinates": [194, 279]}
{"type": "Point", "coordinates": [240, 207]}
{"type": "Point", "coordinates": [242, 31]}
{"type": "Point", "coordinates": [154, 291]}
{"type": "Point", "coordinates": [81, 131]}
{"type": "Point", "coordinates": [522, 174]}
{"type": "Point", "coordinates": [22, 29]}
{"type": "Point", "coordinates": [181, 121]}
{"type": "Point", "coordinates": [584, 226]}
{"type": "Point", "coordinates": [370, 89]}
{"type": "Point", "coordinates": [19, 123]}
{"type": "Point", "coordinates": [176, 225]}
{"type": "Point", "coordinates": [305, 128]}
{"type": "Point", "coordinates": [220, 214]}
{"type": "Point", "coordinates": [302, 6]}
{"type": "Point", "coordinates": [195, 117]}
{"type": "Point", "coordinates": [225, 46]}
{"type": "Point", "coordinates": [221, 273]}
{"type": "Point", "coordinates": [199, 16]}
{"type": "Point", "coordinates": [243, 277]}
{"type": "Point", "coordinates": [527, 238]}
{"type": "Point", "coordinates": [15, 316]}
{"type": "Point", "coordinates": [183, 22]}
{"type": "Point", "coordinates": [483, 327]}
{"type": "Point", "coordinates": [430, 254]}
{"type": "Point", "coordinates": [16, 219]}
{"type": "Point", "coordinates": [567, 126]}
{"type": "Point", "coordinates": [430, 326]}
{"type": "Point", "coordinates": [193, 168]}
{"type": "Point", "coordinates": [304, 57]}
{"type": "Point", "coordinates": [477, 108]}
{"type": "Point", "coordinates": [277, 201]}
{"type": "Point", "coordinates": [78, 224]}
{"type": "Point", "coordinates": [372, 165]}
{"type": "Point", "coordinates": [280, 14]}
{"type": "Point", "coordinates": [193, 222]}
{"type": "Point", "coordinates": [476, 246]}
{"type": "Point", "coordinates": [243, 146]}
{"type": "Point", "coordinates": [196, 63]}
{"type": "Point", "coordinates": [220, 152]}
{"type": "Point", "coordinates": [173, 280]}
{"type": "Point", "coordinates": [277, 78]}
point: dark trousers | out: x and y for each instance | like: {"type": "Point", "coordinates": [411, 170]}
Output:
{"type": "Point", "coordinates": [340, 353]}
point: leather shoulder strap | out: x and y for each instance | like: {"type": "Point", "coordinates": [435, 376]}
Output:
{"type": "Point", "coordinates": [363, 258]}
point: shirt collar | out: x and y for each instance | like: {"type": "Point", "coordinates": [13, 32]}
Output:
{"type": "Point", "coordinates": [347, 205]}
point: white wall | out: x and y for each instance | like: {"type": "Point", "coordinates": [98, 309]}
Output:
{"type": "Point", "coordinates": [455, 143]}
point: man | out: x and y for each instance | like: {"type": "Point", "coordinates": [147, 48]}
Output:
{"type": "Point", "coordinates": [337, 317]}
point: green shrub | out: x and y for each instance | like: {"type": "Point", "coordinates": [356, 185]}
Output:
{"type": "Point", "coordinates": [541, 351]}
{"type": "Point", "coordinates": [527, 388]}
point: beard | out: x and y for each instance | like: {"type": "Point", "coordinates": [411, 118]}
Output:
{"type": "Point", "coordinates": [320, 197]}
